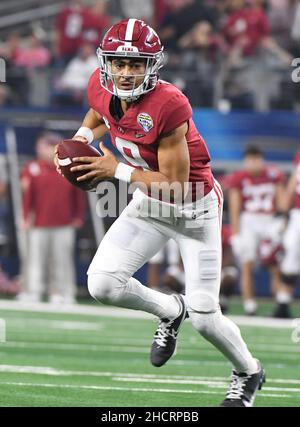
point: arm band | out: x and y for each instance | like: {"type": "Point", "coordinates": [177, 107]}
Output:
{"type": "Point", "coordinates": [86, 133]}
{"type": "Point", "coordinates": [123, 172]}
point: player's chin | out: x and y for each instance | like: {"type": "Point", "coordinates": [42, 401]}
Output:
{"type": "Point", "coordinates": [126, 86]}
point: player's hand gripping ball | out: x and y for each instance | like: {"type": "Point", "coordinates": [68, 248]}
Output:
{"type": "Point", "coordinates": [69, 149]}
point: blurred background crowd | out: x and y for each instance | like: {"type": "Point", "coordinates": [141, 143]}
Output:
{"type": "Point", "coordinates": [222, 53]}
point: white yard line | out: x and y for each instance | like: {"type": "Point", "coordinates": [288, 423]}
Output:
{"type": "Point", "coordinates": [139, 390]}
{"type": "Point", "coordinates": [91, 310]}
{"type": "Point", "coordinates": [102, 346]}
{"type": "Point", "coordinates": [101, 310]}
{"type": "Point", "coordinates": [70, 325]}
{"type": "Point", "coordinates": [103, 340]}
{"type": "Point", "coordinates": [119, 376]}
{"type": "Point", "coordinates": [213, 384]}
{"type": "Point", "coordinates": [39, 325]}
{"type": "Point", "coordinates": [181, 362]}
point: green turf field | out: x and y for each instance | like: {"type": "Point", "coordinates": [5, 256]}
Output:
{"type": "Point", "coordinates": [59, 359]}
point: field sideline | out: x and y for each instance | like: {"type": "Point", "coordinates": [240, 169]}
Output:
{"type": "Point", "coordinates": [99, 356]}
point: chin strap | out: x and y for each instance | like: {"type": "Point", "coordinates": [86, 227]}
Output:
{"type": "Point", "coordinates": [129, 95]}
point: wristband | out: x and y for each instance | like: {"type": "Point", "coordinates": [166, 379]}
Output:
{"type": "Point", "coordinates": [86, 133]}
{"type": "Point", "coordinates": [123, 172]}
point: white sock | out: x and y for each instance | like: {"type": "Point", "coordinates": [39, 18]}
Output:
{"type": "Point", "coordinates": [283, 297]}
{"type": "Point", "coordinates": [226, 337]}
{"type": "Point", "coordinates": [143, 298]}
{"type": "Point", "coordinates": [250, 306]}
{"type": "Point", "coordinates": [109, 290]}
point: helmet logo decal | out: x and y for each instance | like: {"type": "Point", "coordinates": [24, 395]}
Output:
{"type": "Point", "coordinates": [145, 120]}
{"type": "Point", "coordinates": [129, 32]}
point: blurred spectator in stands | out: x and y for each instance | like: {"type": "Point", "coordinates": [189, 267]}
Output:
{"type": "Point", "coordinates": [295, 31]}
{"type": "Point", "coordinates": [199, 59]}
{"type": "Point", "coordinates": [138, 9]}
{"type": "Point", "coordinates": [69, 24]}
{"type": "Point", "coordinates": [183, 16]}
{"type": "Point", "coordinates": [247, 29]}
{"type": "Point", "coordinates": [36, 55]}
{"type": "Point", "coordinates": [52, 210]}
{"type": "Point", "coordinates": [71, 87]}
{"type": "Point", "coordinates": [35, 59]}
{"type": "Point", "coordinates": [95, 23]}
{"type": "Point", "coordinates": [244, 30]}
{"type": "Point", "coordinates": [252, 72]}
{"type": "Point", "coordinates": [161, 9]}
{"type": "Point", "coordinates": [281, 16]}
{"type": "Point", "coordinates": [187, 32]}
{"type": "Point", "coordinates": [17, 86]}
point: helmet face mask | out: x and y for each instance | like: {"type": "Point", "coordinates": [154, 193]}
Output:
{"type": "Point", "coordinates": [130, 39]}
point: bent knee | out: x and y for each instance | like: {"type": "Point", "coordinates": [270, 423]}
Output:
{"type": "Point", "coordinates": [202, 302]}
{"type": "Point", "coordinates": [203, 308]}
{"type": "Point", "coordinates": [101, 287]}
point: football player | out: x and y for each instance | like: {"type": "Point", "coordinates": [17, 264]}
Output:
{"type": "Point", "coordinates": [150, 123]}
{"type": "Point", "coordinates": [255, 196]}
{"type": "Point", "coordinates": [290, 266]}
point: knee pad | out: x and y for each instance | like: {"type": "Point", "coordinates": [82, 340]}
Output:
{"type": "Point", "coordinates": [289, 279]}
{"type": "Point", "coordinates": [102, 287]}
{"type": "Point", "coordinates": [201, 302]}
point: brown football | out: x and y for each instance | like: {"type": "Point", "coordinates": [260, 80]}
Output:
{"type": "Point", "coordinates": [67, 150]}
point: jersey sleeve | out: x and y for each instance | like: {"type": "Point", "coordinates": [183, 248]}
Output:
{"type": "Point", "coordinates": [174, 113]}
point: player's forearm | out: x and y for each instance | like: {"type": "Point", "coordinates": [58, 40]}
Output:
{"type": "Point", "coordinates": [234, 218]}
{"type": "Point", "coordinates": [95, 123]}
{"type": "Point", "coordinates": [280, 200]}
{"type": "Point", "coordinates": [91, 119]}
{"type": "Point", "coordinates": [173, 189]}
{"type": "Point", "coordinates": [234, 211]}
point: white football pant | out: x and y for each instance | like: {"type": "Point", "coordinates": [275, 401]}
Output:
{"type": "Point", "coordinates": [131, 241]}
{"type": "Point", "coordinates": [253, 229]}
{"type": "Point", "coordinates": [50, 264]}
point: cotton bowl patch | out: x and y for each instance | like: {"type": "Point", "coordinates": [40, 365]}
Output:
{"type": "Point", "coordinates": [145, 121]}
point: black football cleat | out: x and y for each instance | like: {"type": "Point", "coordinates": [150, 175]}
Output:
{"type": "Point", "coordinates": [243, 388]}
{"type": "Point", "coordinates": [165, 337]}
{"type": "Point", "coordinates": [283, 311]}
